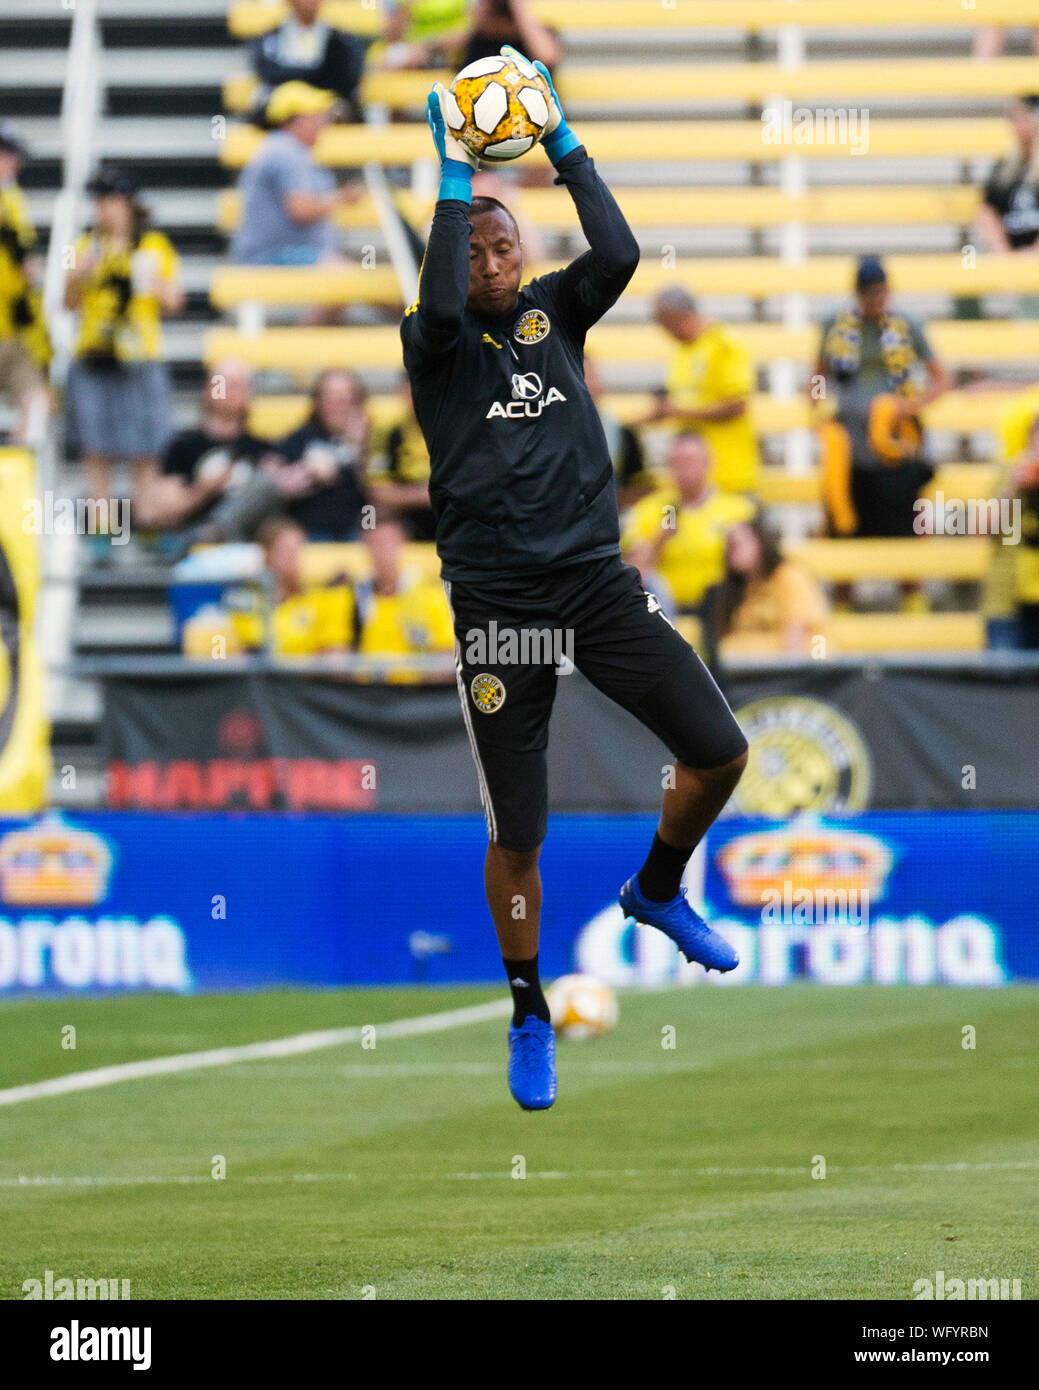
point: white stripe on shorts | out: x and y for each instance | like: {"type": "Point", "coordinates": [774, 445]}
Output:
{"type": "Point", "coordinates": [485, 791]}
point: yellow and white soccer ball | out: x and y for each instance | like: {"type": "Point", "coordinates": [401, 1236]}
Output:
{"type": "Point", "coordinates": [582, 1007]}
{"type": "Point", "coordinates": [497, 108]}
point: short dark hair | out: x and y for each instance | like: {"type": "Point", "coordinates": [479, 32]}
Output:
{"type": "Point", "coordinates": [318, 386]}
{"type": "Point", "coordinates": [870, 272]}
{"type": "Point", "coordinates": [483, 205]}
{"type": "Point", "coordinates": [272, 527]}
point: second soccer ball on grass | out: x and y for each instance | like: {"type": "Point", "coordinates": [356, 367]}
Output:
{"type": "Point", "coordinates": [581, 1007]}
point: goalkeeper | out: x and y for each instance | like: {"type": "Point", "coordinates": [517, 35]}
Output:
{"type": "Point", "coordinates": [527, 533]}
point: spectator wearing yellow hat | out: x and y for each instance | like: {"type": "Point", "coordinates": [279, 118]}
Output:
{"type": "Point", "coordinates": [287, 197]}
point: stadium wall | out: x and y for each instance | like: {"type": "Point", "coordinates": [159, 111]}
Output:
{"type": "Point", "coordinates": [115, 901]}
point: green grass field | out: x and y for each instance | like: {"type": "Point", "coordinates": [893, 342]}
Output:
{"type": "Point", "coordinates": [687, 1169]}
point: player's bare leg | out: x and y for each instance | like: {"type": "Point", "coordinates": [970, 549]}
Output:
{"type": "Point", "coordinates": [655, 895]}
{"type": "Point", "coordinates": [512, 882]}
{"type": "Point", "coordinates": [696, 800]}
{"type": "Point", "coordinates": [513, 885]}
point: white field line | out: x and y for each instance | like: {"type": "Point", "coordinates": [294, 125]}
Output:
{"type": "Point", "coordinates": [248, 1052]}
{"type": "Point", "coordinates": [135, 1180]}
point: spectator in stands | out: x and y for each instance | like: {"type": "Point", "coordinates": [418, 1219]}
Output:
{"type": "Point", "coordinates": [1023, 487]}
{"type": "Point", "coordinates": [328, 455]}
{"type": "Point", "coordinates": [991, 40]}
{"type": "Point", "coordinates": [882, 371]}
{"type": "Point", "coordinates": [306, 49]}
{"type": "Point", "coordinates": [300, 620]}
{"type": "Point", "coordinates": [475, 35]}
{"type": "Point", "coordinates": [498, 22]}
{"type": "Point", "coordinates": [124, 277]}
{"type": "Point", "coordinates": [999, 583]}
{"type": "Point", "coordinates": [676, 536]}
{"type": "Point", "coordinates": [204, 465]}
{"type": "Point", "coordinates": [305, 620]}
{"type": "Point", "coordinates": [709, 389]}
{"type": "Point", "coordinates": [24, 344]}
{"type": "Point", "coordinates": [766, 605]}
{"type": "Point", "coordinates": [419, 32]}
{"type": "Point", "coordinates": [630, 474]}
{"type": "Point", "coordinates": [287, 198]}
{"type": "Point", "coordinates": [399, 475]}
{"type": "Point", "coordinates": [1009, 213]}
{"type": "Point", "coordinates": [399, 611]}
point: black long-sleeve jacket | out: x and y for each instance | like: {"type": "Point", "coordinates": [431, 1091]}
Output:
{"type": "Point", "coordinates": [521, 476]}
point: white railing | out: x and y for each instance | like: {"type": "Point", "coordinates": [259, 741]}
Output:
{"type": "Point", "coordinates": [80, 108]}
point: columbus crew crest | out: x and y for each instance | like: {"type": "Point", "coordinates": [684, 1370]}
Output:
{"type": "Point", "coordinates": [531, 327]}
{"type": "Point", "coordinates": [488, 693]}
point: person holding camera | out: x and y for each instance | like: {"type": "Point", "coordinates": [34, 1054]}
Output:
{"type": "Point", "coordinates": [125, 276]}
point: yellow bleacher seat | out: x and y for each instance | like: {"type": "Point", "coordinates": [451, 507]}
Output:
{"type": "Point", "coordinates": [755, 276]}
{"type": "Point", "coordinates": [777, 487]}
{"type": "Point", "coordinates": [323, 561]}
{"type": "Point", "coordinates": [862, 633]}
{"type": "Point", "coordinates": [716, 207]}
{"type": "Point", "coordinates": [346, 146]}
{"type": "Point", "coordinates": [305, 285]}
{"type": "Point", "coordinates": [959, 412]}
{"type": "Point", "coordinates": [249, 18]}
{"type": "Point", "coordinates": [308, 350]}
{"type": "Point", "coordinates": [916, 558]}
{"type": "Point", "coordinates": [652, 83]}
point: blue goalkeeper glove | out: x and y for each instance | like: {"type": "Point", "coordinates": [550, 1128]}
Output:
{"type": "Point", "coordinates": [558, 139]}
{"type": "Point", "coordinates": [457, 165]}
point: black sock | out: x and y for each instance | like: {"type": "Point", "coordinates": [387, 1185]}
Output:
{"type": "Point", "coordinates": [660, 877]}
{"type": "Point", "coordinates": [527, 995]}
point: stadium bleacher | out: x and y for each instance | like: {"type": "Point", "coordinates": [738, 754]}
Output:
{"type": "Point", "coordinates": [707, 183]}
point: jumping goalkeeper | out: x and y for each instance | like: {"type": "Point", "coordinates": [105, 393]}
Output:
{"type": "Point", "coordinates": [527, 533]}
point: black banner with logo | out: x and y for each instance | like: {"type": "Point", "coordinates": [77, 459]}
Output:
{"type": "Point", "coordinates": [832, 740]}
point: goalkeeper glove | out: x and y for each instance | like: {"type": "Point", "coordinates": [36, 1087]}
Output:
{"type": "Point", "coordinates": [457, 165]}
{"type": "Point", "coordinates": [557, 138]}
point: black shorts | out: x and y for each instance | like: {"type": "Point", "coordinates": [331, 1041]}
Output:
{"type": "Point", "coordinates": [510, 644]}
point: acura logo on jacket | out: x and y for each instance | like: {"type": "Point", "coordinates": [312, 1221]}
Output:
{"type": "Point", "coordinates": [526, 398]}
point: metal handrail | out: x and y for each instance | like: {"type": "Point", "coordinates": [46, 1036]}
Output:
{"type": "Point", "coordinates": [80, 108]}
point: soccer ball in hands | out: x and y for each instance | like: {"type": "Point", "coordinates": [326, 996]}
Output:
{"type": "Point", "coordinates": [582, 1007]}
{"type": "Point", "coordinates": [497, 108]}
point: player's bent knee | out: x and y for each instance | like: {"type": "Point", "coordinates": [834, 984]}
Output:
{"type": "Point", "coordinates": [516, 860]}
{"type": "Point", "coordinates": [724, 775]}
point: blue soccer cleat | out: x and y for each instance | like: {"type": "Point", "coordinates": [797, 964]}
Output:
{"type": "Point", "coordinates": [686, 928]}
{"type": "Point", "coordinates": [532, 1064]}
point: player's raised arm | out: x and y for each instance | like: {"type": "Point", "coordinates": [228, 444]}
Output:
{"type": "Point", "coordinates": [433, 321]}
{"type": "Point", "coordinates": [593, 282]}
